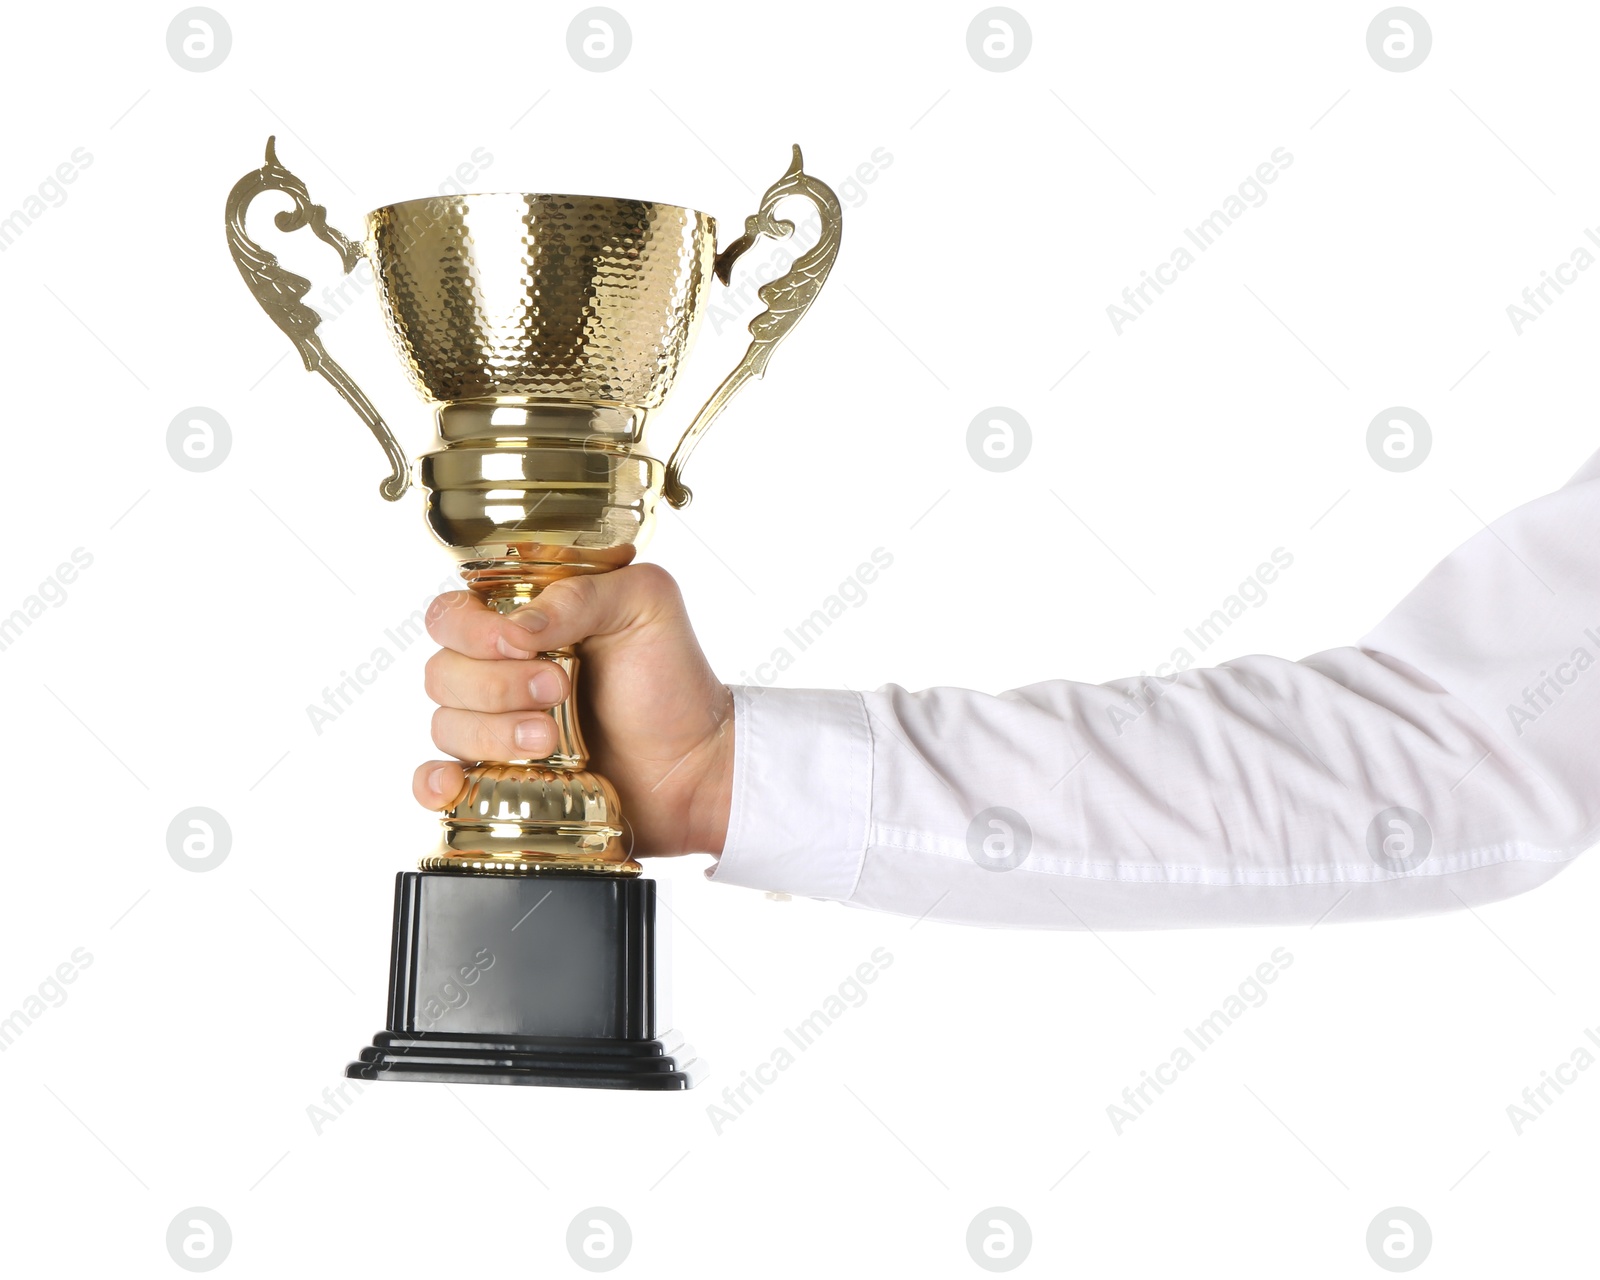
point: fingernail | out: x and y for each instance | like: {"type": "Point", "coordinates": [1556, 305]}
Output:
{"type": "Point", "coordinates": [535, 620]}
{"type": "Point", "coordinates": [537, 736]}
{"type": "Point", "coordinates": [436, 778]}
{"type": "Point", "coordinates": [529, 621]}
{"type": "Point", "coordinates": [546, 687]}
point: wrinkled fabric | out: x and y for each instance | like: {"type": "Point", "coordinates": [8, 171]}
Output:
{"type": "Point", "coordinates": [1449, 758]}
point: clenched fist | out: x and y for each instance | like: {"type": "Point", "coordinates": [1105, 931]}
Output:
{"type": "Point", "coordinates": [656, 721]}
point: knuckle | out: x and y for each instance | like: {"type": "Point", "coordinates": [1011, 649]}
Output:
{"type": "Point", "coordinates": [567, 598]}
{"type": "Point", "coordinates": [455, 735]}
{"type": "Point", "coordinates": [494, 689]}
{"type": "Point", "coordinates": [582, 590]}
{"type": "Point", "coordinates": [653, 586]}
{"type": "Point", "coordinates": [442, 611]}
{"type": "Point", "coordinates": [438, 729]}
{"type": "Point", "coordinates": [433, 677]}
{"type": "Point", "coordinates": [438, 607]}
{"type": "Point", "coordinates": [653, 578]}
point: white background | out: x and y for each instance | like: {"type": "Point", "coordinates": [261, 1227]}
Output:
{"type": "Point", "coordinates": [1228, 420]}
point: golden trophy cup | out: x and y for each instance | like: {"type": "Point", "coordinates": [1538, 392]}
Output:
{"type": "Point", "coordinates": [546, 331]}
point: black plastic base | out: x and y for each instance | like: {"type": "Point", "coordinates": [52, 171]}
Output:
{"type": "Point", "coordinates": [585, 1064]}
{"type": "Point", "coordinates": [536, 980]}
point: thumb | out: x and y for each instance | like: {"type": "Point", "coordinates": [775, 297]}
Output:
{"type": "Point", "coordinates": [599, 604]}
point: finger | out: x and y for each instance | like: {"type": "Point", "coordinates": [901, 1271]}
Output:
{"type": "Point", "coordinates": [437, 783]}
{"type": "Point", "coordinates": [508, 735]}
{"type": "Point", "coordinates": [478, 684]}
{"type": "Point", "coordinates": [459, 620]}
{"type": "Point", "coordinates": [574, 609]}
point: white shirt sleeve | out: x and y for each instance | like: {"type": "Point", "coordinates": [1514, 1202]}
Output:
{"type": "Point", "coordinates": [1450, 758]}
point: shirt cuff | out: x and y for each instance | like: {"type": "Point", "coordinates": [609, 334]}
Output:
{"type": "Point", "coordinates": [802, 792]}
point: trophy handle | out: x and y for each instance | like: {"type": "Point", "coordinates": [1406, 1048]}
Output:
{"type": "Point", "coordinates": [787, 299]}
{"type": "Point", "coordinates": [280, 292]}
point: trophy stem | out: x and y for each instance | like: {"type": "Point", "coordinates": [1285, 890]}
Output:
{"type": "Point", "coordinates": [570, 752]}
{"type": "Point", "coordinates": [528, 815]}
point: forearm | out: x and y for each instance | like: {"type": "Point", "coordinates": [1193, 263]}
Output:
{"type": "Point", "coordinates": [1245, 793]}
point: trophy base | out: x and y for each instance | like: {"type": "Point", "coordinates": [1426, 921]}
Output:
{"type": "Point", "coordinates": [544, 978]}
{"type": "Point", "coordinates": [573, 1064]}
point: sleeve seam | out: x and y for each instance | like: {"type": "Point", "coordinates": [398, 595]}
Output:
{"type": "Point", "coordinates": [864, 841]}
{"type": "Point", "coordinates": [1473, 859]}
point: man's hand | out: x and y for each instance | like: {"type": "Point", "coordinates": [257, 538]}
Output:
{"type": "Point", "coordinates": [656, 721]}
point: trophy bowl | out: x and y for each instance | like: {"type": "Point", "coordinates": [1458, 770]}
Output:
{"type": "Point", "coordinates": [545, 328]}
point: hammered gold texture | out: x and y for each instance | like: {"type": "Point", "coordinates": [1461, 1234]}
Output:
{"type": "Point", "coordinates": [514, 296]}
